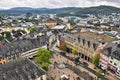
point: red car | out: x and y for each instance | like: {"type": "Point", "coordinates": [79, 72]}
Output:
{"type": "Point", "coordinates": [70, 58]}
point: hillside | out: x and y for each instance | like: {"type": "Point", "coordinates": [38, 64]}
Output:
{"type": "Point", "coordinates": [73, 11]}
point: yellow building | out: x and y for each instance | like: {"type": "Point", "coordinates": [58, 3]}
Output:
{"type": "Point", "coordinates": [87, 43]}
{"type": "Point", "coordinates": [49, 24]}
{"type": "Point", "coordinates": [68, 26]}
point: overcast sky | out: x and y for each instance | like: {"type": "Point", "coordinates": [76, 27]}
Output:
{"type": "Point", "coordinates": [56, 3]}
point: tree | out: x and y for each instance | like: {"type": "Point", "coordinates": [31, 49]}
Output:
{"type": "Point", "coordinates": [98, 74]}
{"type": "Point", "coordinates": [63, 47]}
{"type": "Point", "coordinates": [6, 34]}
{"type": "Point", "coordinates": [7, 24]}
{"type": "Point", "coordinates": [72, 22]}
{"type": "Point", "coordinates": [96, 59]}
{"type": "Point", "coordinates": [43, 58]}
{"type": "Point", "coordinates": [32, 30]}
{"type": "Point", "coordinates": [1, 37]}
{"type": "Point", "coordinates": [74, 51]}
{"type": "Point", "coordinates": [97, 24]}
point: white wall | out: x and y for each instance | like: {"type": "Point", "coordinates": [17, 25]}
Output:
{"type": "Point", "coordinates": [44, 77]}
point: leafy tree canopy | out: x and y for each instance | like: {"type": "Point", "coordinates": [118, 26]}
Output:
{"type": "Point", "coordinates": [96, 59]}
{"type": "Point", "coordinates": [98, 73]}
{"type": "Point", "coordinates": [43, 57]}
{"type": "Point", "coordinates": [63, 47]}
{"type": "Point", "coordinates": [6, 33]}
{"type": "Point", "coordinates": [32, 30]}
{"type": "Point", "coordinates": [74, 51]}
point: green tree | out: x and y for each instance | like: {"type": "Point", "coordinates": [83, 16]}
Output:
{"type": "Point", "coordinates": [96, 59]}
{"type": "Point", "coordinates": [72, 23]}
{"type": "Point", "coordinates": [63, 47]}
{"type": "Point", "coordinates": [6, 33]}
{"type": "Point", "coordinates": [7, 24]}
{"type": "Point", "coordinates": [98, 74]}
{"type": "Point", "coordinates": [43, 58]}
{"type": "Point", "coordinates": [97, 24]}
{"type": "Point", "coordinates": [74, 51]}
{"type": "Point", "coordinates": [1, 37]}
{"type": "Point", "coordinates": [32, 30]}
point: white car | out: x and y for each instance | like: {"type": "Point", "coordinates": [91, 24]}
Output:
{"type": "Point", "coordinates": [102, 74]}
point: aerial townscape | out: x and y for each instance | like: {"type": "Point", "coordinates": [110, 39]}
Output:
{"type": "Point", "coordinates": [46, 41]}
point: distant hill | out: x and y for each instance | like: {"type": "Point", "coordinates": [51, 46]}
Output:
{"type": "Point", "coordinates": [73, 11]}
{"type": "Point", "coordinates": [21, 8]}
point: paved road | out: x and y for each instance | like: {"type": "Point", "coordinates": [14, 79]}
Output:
{"type": "Point", "coordinates": [94, 72]}
{"type": "Point", "coordinates": [89, 69]}
{"type": "Point", "coordinates": [54, 48]}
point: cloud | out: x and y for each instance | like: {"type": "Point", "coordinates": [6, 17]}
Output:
{"type": "Point", "coordinates": [56, 3]}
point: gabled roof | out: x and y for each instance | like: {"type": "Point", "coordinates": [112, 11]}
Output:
{"type": "Point", "coordinates": [21, 69]}
{"type": "Point", "coordinates": [21, 45]}
{"type": "Point", "coordinates": [108, 49]}
{"type": "Point", "coordinates": [97, 37]}
{"type": "Point", "coordinates": [116, 52]}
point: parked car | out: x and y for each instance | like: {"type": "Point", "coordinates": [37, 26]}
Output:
{"type": "Point", "coordinates": [76, 59]}
{"type": "Point", "coordinates": [84, 63]}
{"type": "Point", "coordinates": [63, 54]}
{"type": "Point", "coordinates": [102, 74]}
{"type": "Point", "coordinates": [117, 73]}
{"type": "Point", "coordinates": [69, 57]}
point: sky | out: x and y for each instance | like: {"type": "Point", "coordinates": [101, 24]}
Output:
{"type": "Point", "coordinates": [6, 4]}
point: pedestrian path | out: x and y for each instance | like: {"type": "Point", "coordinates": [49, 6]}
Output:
{"type": "Point", "coordinates": [55, 72]}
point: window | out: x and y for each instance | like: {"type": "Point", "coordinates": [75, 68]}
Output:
{"type": "Point", "coordinates": [41, 78]}
{"type": "Point", "coordinates": [95, 46]}
{"type": "Point", "coordinates": [110, 61]}
{"type": "Point", "coordinates": [78, 39]}
{"type": "Point", "coordinates": [83, 42]}
{"type": "Point", "coordinates": [115, 64]}
{"type": "Point", "coordinates": [88, 43]}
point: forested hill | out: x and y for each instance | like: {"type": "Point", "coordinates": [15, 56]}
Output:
{"type": "Point", "coordinates": [62, 11]}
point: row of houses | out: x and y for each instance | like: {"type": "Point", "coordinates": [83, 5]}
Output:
{"type": "Point", "coordinates": [90, 43]}
{"type": "Point", "coordinates": [14, 50]}
{"type": "Point", "coordinates": [110, 58]}
{"type": "Point", "coordinates": [87, 43]}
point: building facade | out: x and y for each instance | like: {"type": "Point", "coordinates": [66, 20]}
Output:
{"type": "Point", "coordinates": [87, 43]}
{"type": "Point", "coordinates": [15, 50]}
{"type": "Point", "coordinates": [114, 59]}
{"type": "Point", "coordinates": [104, 56]}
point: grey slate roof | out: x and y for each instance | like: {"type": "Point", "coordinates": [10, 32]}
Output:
{"type": "Point", "coordinates": [21, 69]}
{"type": "Point", "coordinates": [108, 49]}
{"type": "Point", "coordinates": [116, 52]}
{"type": "Point", "coordinates": [112, 50]}
{"type": "Point", "coordinates": [22, 45]}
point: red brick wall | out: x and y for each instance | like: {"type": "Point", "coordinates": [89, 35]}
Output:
{"type": "Point", "coordinates": [62, 42]}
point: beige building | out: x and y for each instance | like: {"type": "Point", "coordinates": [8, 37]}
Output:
{"type": "Point", "coordinates": [87, 43]}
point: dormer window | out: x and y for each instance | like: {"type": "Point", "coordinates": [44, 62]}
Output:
{"type": "Point", "coordinates": [88, 43]}
{"type": "Point", "coordinates": [83, 42]}
{"type": "Point", "coordinates": [78, 39]}
{"type": "Point", "coordinates": [94, 46]}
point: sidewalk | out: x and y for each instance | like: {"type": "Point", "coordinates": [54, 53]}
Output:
{"type": "Point", "coordinates": [81, 68]}
{"type": "Point", "coordinates": [91, 66]}
{"type": "Point", "coordinates": [56, 72]}
{"type": "Point", "coordinates": [90, 69]}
